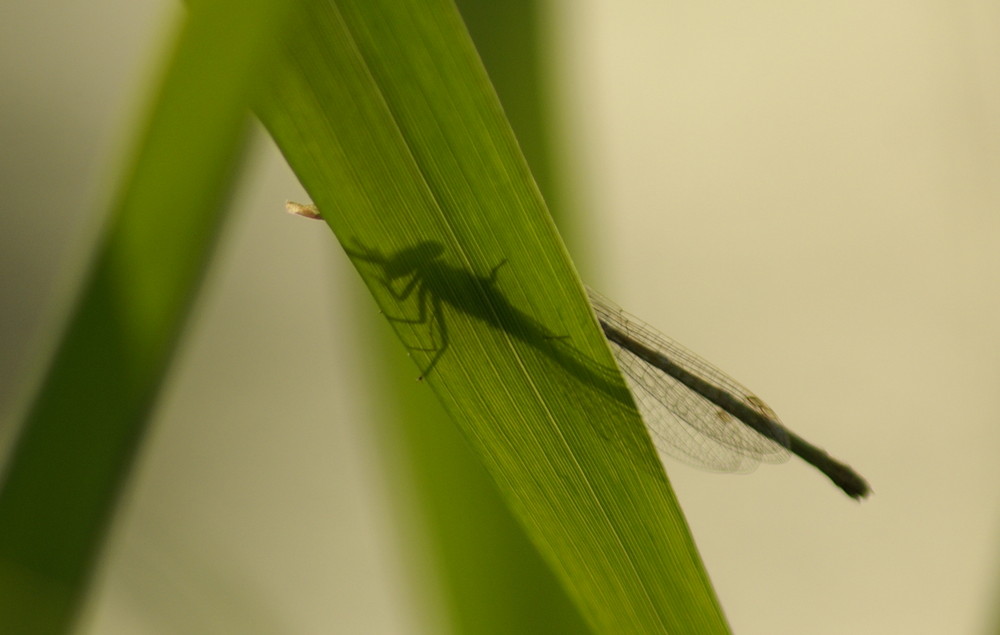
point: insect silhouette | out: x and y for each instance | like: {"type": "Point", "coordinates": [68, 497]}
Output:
{"type": "Point", "coordinates": [694, 411]}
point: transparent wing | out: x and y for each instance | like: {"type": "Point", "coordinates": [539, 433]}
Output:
{"type": "Point", "coordinates": [683, 423]}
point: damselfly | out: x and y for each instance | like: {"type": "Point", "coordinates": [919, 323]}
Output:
{"type": "Point", "coordinates": [698, 413]}
{"type": "Point", "coordinates": [694, 410]}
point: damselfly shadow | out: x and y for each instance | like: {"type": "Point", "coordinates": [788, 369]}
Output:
{"type": "Point", "coordinates": [421, 276]}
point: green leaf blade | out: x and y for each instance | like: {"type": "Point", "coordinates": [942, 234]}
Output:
{"type": "Point", "coordinates": [72, 458]}
{"type": "Point", "coordinates": [395, 132]}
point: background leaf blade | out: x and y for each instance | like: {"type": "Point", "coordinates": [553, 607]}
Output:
{"type": "Point", "coordinates": [71, 461]}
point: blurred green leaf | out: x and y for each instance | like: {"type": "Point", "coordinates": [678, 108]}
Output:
{"type": "Point", "coordinates": [73, 455]}
{"type": "Point", "coordinates": [384, 112]}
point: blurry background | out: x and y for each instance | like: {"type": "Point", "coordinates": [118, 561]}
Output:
{"type": "Point", "coordinates": [808, 197]}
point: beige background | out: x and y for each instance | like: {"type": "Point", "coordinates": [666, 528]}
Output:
{"type": "Point", "coordinates": [808, 197]}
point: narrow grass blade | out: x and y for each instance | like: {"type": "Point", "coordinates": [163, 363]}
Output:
{"type": "Point", "coordinates": [388, 119]}
{"type": "Point", "coordinates": [72, 458]}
